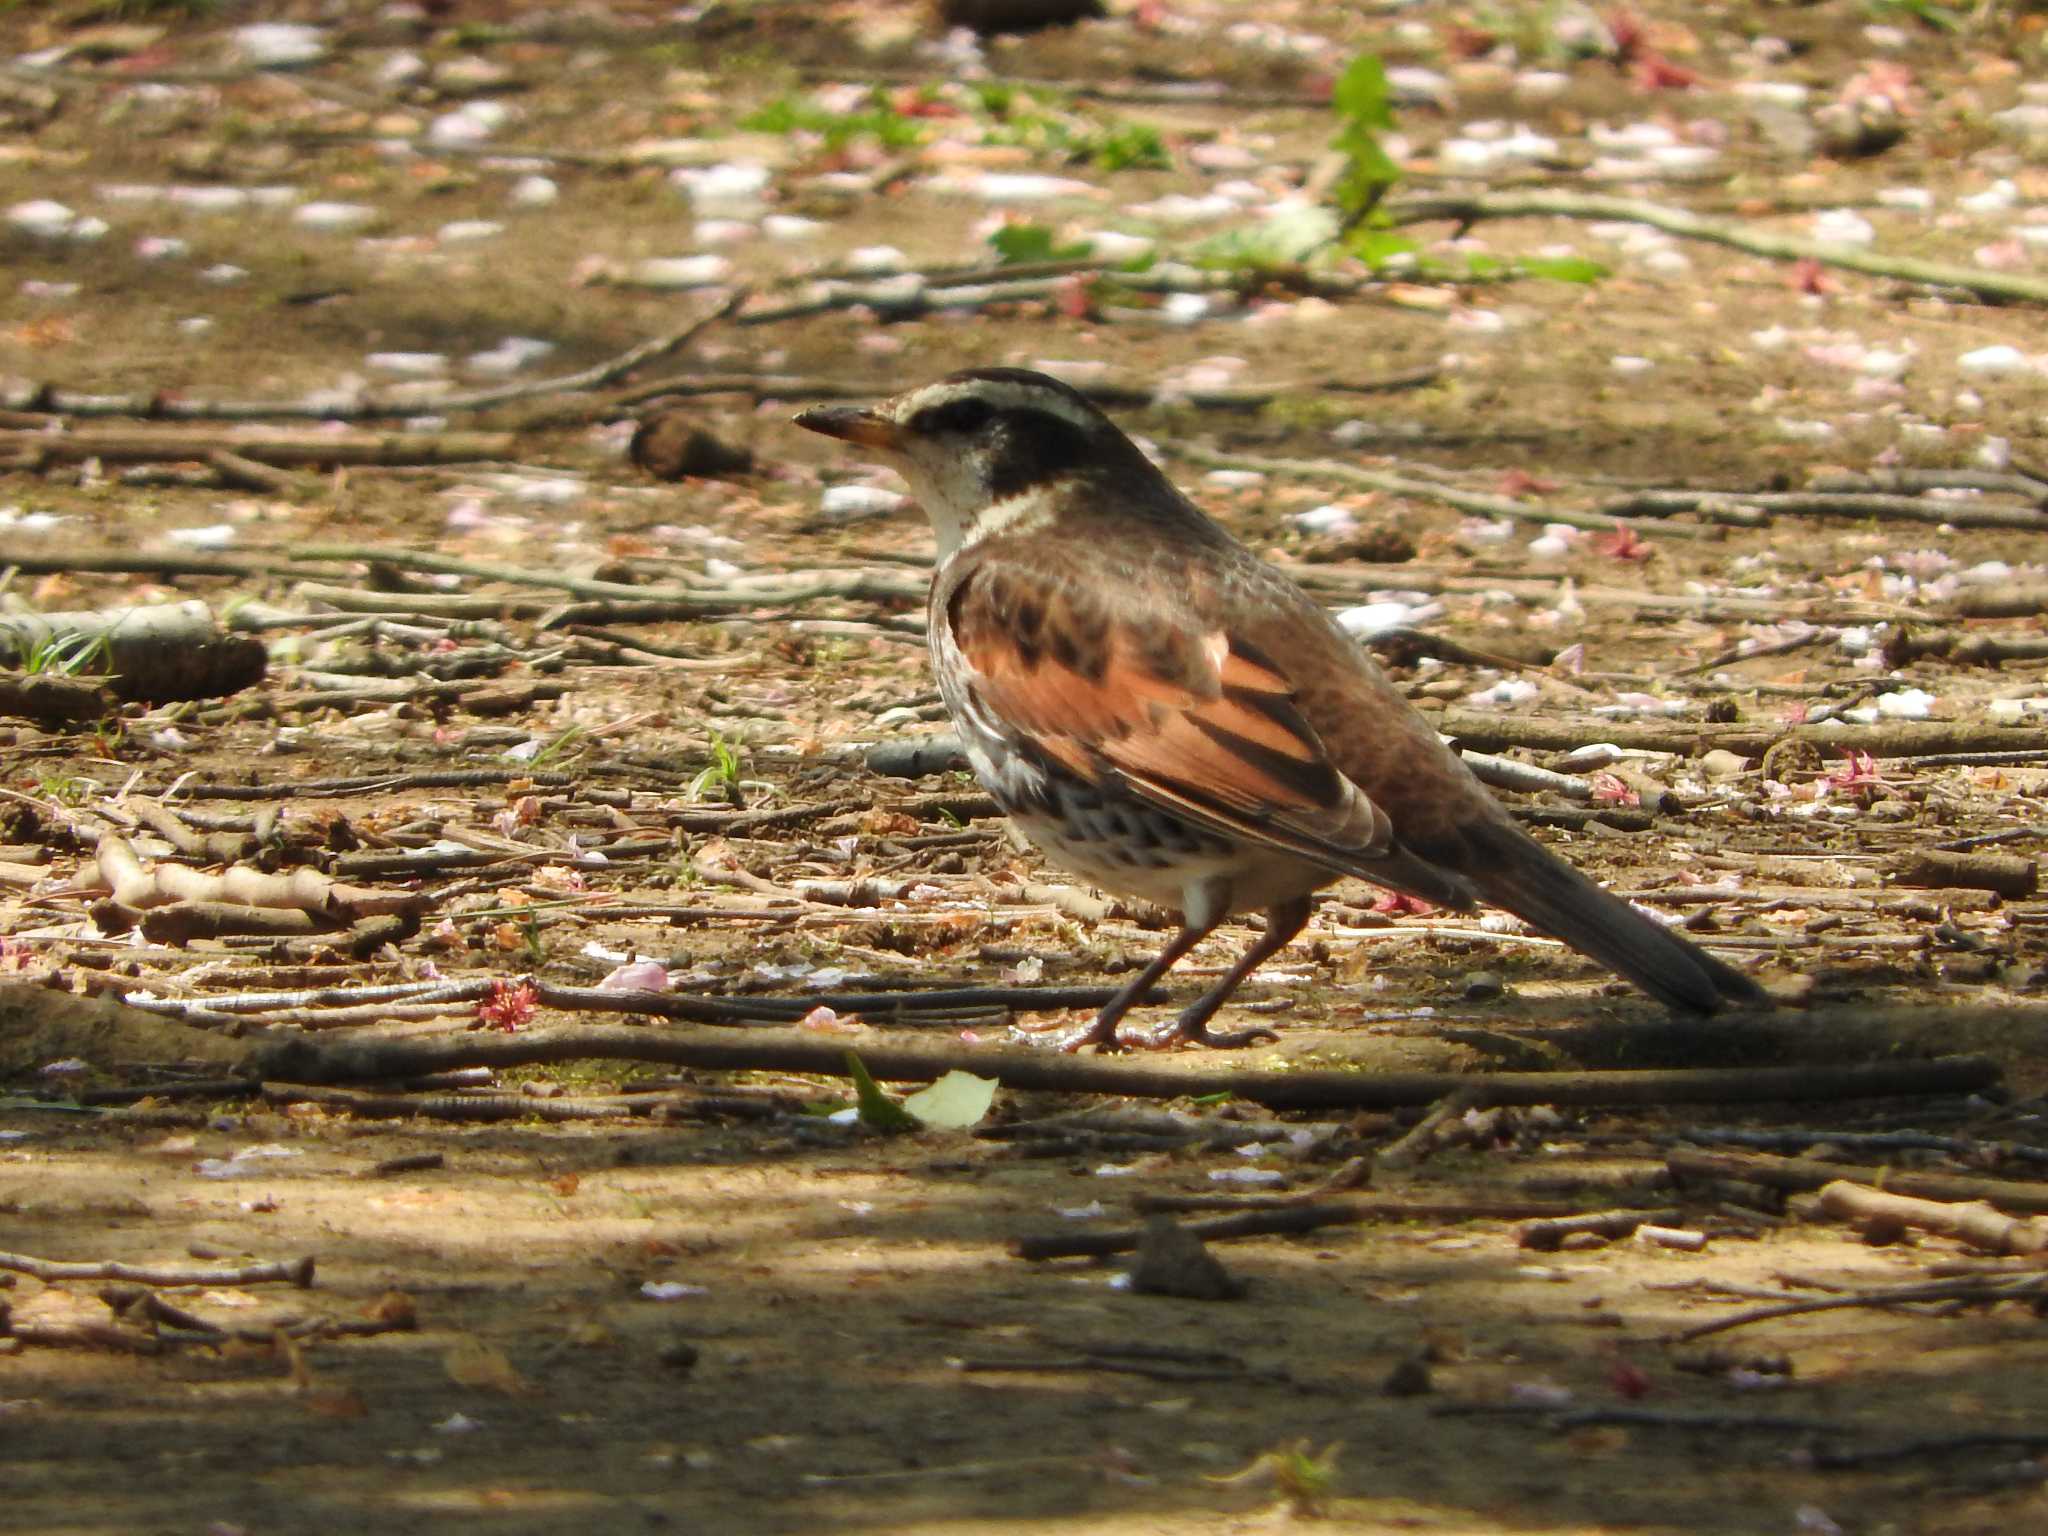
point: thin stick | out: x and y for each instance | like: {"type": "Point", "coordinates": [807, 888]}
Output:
{"type": "Point", "coordinates": [1799, 1173]}
{"type": "Point", "coordinates": [332, 1060]}
{"type": "Point", "coordinates": [297, 1272]}
{"type": "Point", "coordinates": [1971, 1292]}
{"type": "Point", "coordinates": [1471, 208]}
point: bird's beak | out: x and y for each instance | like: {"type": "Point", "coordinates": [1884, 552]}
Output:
{"type": "Point", "coordinates": [853, 424]}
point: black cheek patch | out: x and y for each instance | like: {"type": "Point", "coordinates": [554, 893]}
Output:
{"type": "Point", "coordinates": [1032, 447]}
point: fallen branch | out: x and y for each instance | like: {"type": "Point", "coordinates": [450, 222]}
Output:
{"type": "Point", "coordinates": [1873, 505]}
{"type": "Point", "coordinates": [1883, 1216]}
{"type": "Point", "coordinates": [1799, 1173]}
{"type": "Point", "coordinates": [1480, 503]}
{"type": "Point", "coordinates": [1968, 1292]}
{"type": "Point", "coordinates": [301, 890]}
{"type": "Point", "coordinates": [48, 398]}
{"type": "Point", "coordinates": [297, 1272]}
{"type": "Point", "coordinates": [1286, 1220]}
{"type": "Point", "coordinates": [34, 451]}
{"type": "Point", "coordinates": [161, 653]}
{"type": "Point", "coordinates": [2010, 875]}
{"type": "Point", "coordinates": [305, 1059]}
{"type": "Point", "coordinates": [1888, 739]}
{"type": "Point", "coordinates": [1547, 1236]}
{"type": "Point", "coordinates": [52, 702]}
{"type": "Point", "coordinates": [1470, 208]}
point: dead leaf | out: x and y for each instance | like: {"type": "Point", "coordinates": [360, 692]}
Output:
{"type": "Point", "coordinates": [470, 1362]}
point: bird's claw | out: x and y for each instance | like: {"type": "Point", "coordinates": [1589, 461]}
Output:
{"type": "Point", "coordinates": [1069, 1038]}
{"type": "Point", "coordinates": [1169, 1035]}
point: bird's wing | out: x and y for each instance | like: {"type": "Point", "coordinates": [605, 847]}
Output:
{"type": "Point", "coordinates": [1199, 722]}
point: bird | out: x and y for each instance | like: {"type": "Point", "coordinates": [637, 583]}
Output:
{"type": "Point", "coordinates": [1173, 719]}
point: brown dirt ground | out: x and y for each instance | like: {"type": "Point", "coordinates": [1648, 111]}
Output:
{"type": "Point", "coordinates": [819, 1377]}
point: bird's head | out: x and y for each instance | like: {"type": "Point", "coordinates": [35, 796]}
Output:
{"type": "Point", "coordinates": [991, 449]}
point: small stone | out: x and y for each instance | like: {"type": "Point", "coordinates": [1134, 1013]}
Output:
{"type": "Point", "coordinates": [1855, 130]}
{"type": "Point", "coordinates": [671, 446]}
{"type": "Point", "coordinates": [915, 757]}
{"type": "Point", "coordinates": [678, 1355]}
{"type": "Point", "coordinates": [1171, 1261]}
{"type": "Point", "coordinates": [1481, 986]}
{"type": "Point", "coordinates": [1723, 764]}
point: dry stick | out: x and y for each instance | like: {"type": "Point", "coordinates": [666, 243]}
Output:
{"type": "Point", "coordinates": [1821, 1458]}
{"type": "Point", "coordinates": [2007, 602]}
{"type": "Point", "coordinates": [68, 403]}
{"type": "Point", "coordinates": [1110, 396]}
{"type": "Point", "coordinates": [1892, 739]}
{"type": "Point", "coordinates": [1590, 1418]}
{"type": "Point", "coordinates": [858, 585]}
{"type": "Point", "coordinates": [1829, 1459]}
{"type": "Point", "coordinates": [455, 1106]}
{"type": "Point", "coordinates": [1970, 1292]}
{"type": "Point", "coordinates": [1472, 207]}
{"type": "Point", "coordinates": [1912, 481]}
{"type": "Point", "coordinates": [1799, 1173]}
{"type": "Point", "coordinates": [1547, 1236]}
{"type": "Point", "coordinates": [309, 1060]}
{"type": "Point", "coordinates": [1421, 1139]}
{"type": "Point", "coordinates": [873, 1005]}
{"type": "Point", "coordinates": [1882, 1215]}
{"type": "Point", "coordinates": [1909, 509]}
{"type": "Point", "coordinates": [1478, 502]}
{"type": "Point", "coordinates": [297, 1272]}
{"type": "Point", "coordinates": [35, 450]}
{"type": "Point", "coordinates": [1796, 1139]}
{"type": "Point", "coordinates": [1280, 1221]}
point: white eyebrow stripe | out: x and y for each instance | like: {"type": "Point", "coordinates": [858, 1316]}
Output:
{"type": "Point", "coordinates": [1001, 394]}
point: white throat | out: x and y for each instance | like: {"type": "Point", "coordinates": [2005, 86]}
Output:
{"type": "Point", "coordinates": [962, 517]}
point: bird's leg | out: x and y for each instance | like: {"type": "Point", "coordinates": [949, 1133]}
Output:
{"type": "Point", "coordinates": [1101, 1031]}
{"type": "Point", "coordinates": [1282, 924]}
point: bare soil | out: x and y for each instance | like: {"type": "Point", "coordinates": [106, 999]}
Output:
{"type": "Point", "coordinates": [730, 1322]}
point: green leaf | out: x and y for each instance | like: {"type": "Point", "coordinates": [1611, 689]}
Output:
{"type": "Point", "coordinates": [1021, 244]}
{"type": "Point", "coordinates": [1376, 247]}
{"type": "Point", "coordinates": [1562, 269]}
{"type": "Point", "coordinates": [877, 1110]}
{"type": "Point", "coordinates": [954, 1102]}
{"type": "Point", "coordinates": [1361, 96]}
{"type": "Point", "coordinates": [1286, 239]}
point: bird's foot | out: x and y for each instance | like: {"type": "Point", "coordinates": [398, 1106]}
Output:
{"type": "Point", "coordinates": [1069, 1038]}
{"type": "Point", "coordinates": [1197, 1032]}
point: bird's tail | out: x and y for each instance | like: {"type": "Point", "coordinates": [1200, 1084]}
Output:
{"type": "Point", "coordinates": [1514, 871]}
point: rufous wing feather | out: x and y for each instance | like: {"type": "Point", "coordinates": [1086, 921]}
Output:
{"type": "Point", "coordinates": [1199, 723]}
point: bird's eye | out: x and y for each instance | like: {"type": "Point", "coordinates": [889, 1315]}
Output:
{"type": "Point", "coordinates": [965, 417]}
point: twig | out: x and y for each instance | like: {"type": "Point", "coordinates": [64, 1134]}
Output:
{"type": "Point", "coordinates": [1790, 1139]}
{"type": "Point", "coordinates": [34, 450]}
{"type": "Point", "coordinates": [1970, 1292]}
{"type": "Point", "coordinates": [1473, 207]}
{"type": "Point", "coordinates": [1906, 739]}
{"type": "Point", "coordinates": [48, 398]}
{"type": "Point", "coordinates": [1421, 1139]}
{"type": "Point", "coordinates": [1798, 1173]}
{"type": "Point", "coordinates": [1286, 1220]}
{"type": "Point", "coordinates": [1548, 1235]}
{"type": "Point", "coordinates": [1477, 502]}
{"type": "Point", "coordinates": [297, 1272]}
{"type": "Point", "coordinates": [1910, 509]}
